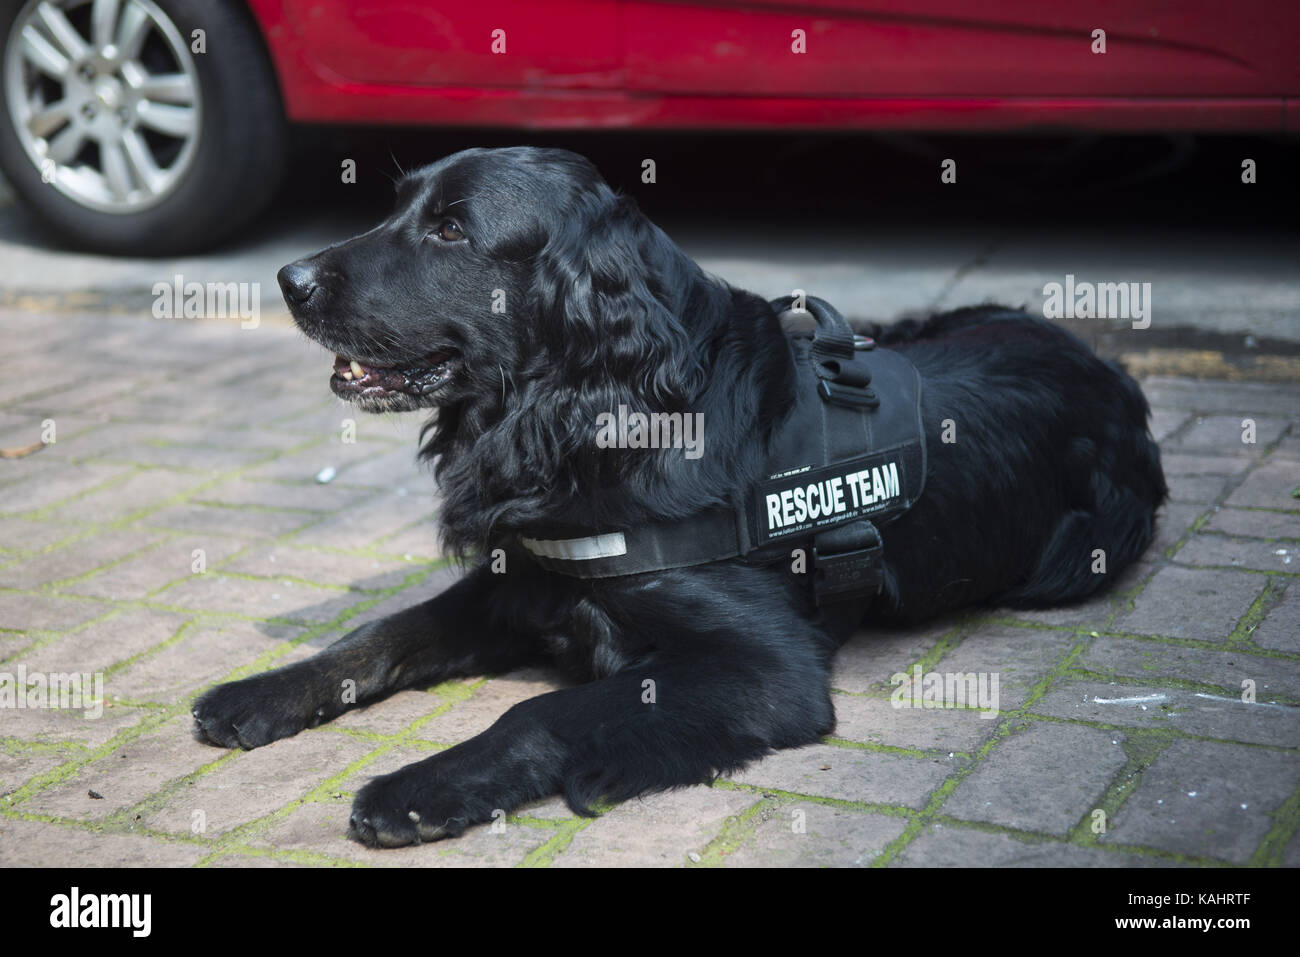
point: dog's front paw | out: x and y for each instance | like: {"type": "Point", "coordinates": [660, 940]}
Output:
{"type": "Point", "coordinates": [256, 711]}
{"type": "Point", "coordinates": [409, 807]}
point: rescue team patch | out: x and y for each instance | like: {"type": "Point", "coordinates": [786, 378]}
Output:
{"type": "Point", "coordinates": [808, 499]}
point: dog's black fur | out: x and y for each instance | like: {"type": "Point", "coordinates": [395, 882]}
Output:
{"type": "Point", "coordinates": [1052, 460]}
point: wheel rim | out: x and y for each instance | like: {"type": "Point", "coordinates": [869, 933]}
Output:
{"type": "Point", "coordinates": [104, 96]}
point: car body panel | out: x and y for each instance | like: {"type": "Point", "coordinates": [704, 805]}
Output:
{"type": "Point", "coordinates": [1197, 65]}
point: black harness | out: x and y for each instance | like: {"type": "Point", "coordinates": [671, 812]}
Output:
{"type": "Point", "coordinates": [850, 458]}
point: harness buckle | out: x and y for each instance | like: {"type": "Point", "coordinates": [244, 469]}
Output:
{"type": "Point", "coordinates": [847, 561]}
{"type": "Point", "coordinates": [855, 397]}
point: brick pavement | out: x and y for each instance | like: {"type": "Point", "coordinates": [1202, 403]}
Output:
{"type": "Point", "coordinates": [175, 535]}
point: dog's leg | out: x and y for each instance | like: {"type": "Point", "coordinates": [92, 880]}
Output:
{"type": "Point", "coordinates": [669, 722]}
{"type": "Point", "coordinates": [445, 637]}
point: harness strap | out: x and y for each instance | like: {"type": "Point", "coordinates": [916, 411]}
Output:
{"type": "Point", "coordinates": [847, 560]}
{"type": "Point", "coordinates": [839, 466]}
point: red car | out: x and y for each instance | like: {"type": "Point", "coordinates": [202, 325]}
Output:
{"type": "Point", "coordinates": [152, 125]}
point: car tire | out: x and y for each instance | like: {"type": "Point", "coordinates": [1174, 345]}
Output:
{"type": "Point", "coordinates": [235, 159]}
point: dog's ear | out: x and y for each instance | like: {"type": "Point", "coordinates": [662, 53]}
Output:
{"type": "Point", "coordinates": [613, 295]}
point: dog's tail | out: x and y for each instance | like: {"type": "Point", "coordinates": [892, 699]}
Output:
{"type": "Point", "coordinates": [1119, 484]}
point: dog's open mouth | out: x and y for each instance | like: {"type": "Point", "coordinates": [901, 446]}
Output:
{"type": "Point", "coordinates": [354, 379]}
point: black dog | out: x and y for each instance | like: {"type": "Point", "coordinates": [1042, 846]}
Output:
{"type": "Point", "coordinates": [514, 292]}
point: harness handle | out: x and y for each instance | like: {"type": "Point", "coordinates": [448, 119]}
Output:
{"type": "Point", "coordinates": [833, 337]}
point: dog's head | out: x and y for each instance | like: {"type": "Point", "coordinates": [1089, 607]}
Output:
{"type": "Point", "coordinates": [498, 269]}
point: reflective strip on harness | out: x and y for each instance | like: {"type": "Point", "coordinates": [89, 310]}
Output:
{"type": "Point", "coordinates": [609, 545]}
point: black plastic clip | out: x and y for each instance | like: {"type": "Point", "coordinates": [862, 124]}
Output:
{"type": "Point", "coordinates": [847, 561]}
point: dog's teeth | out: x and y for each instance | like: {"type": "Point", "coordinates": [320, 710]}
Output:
{"type": "Point", "coordinates": [347, 376]}
{"type": "Point", "coordinates": [357, 370]}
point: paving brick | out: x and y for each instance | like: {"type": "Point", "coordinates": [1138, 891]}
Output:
{"type": "Point", "coordinates": [400, 466]}
{"type": "Point", "coordinates": [1254, 523]}
{"type": "Point", "coordinates": [438, 581]}
{"type": "Point", "coordinates": [877, 721]}
{"type": "Point", "coordinates": [1165, 422]}
{"type": "Point", "coordinates": [824, 771]}
{"type": "Point", "coordinates": [56, 485]}
{"type": "Point", "coordinates": [253, 784]}
{"type": "Point", "coordinates": [258, 597]}
{"type": "Point", "coordinates": [118, 438]}
{"type": "Point", "coordinates": [242, 861]}
{"type": "Point", "coordinates": [36, 844]}
{"type": "Point", "coordinates": [23, 612]}
{"type": "Point", "coordinates": [1020, 657]}
{"type": "Point", "coordinates": [24, 535]}
{"type": "Point", "coordinates": [322, 826]}
{"type": "Point", "coordinates": [1273, 485]}
{"type": "Point", "coordinates": [1095, 611]}
{"type": "Point", "coordinates": [1226, 669]}
{"type": "Point", "coordinates": [1280, 629]}
{"type": "Point", "coordinates": [127, 776]}
{"type": "Point", "coordinates": [1289, 447]}
{"type": "Point", "coordinates": [67, 726]}
{"type": "Point", "coordinates": [308, 495]}
{"type": "Point", "coordinates": [321, 413]}
{"type": "Point", "coordinates": [324, 568]}
{"type": "Point", "coordinates": [78, 558]}
{"type": "Point", "coordinates": [149, 571]}
{"type": "Point", "coordinates": [22, 429]}
{"type": "Point", "coordinates": [305, 464]}
{"type": "Point", "coordinates": [189, 457]}
{"type": "Point", "coordinates": [658, 830]}
{"type": "Point", "coordinates": [1220, 550]}
{"type": "Point", "coordinates": [376, 518]}
{"type": "Point", "coordinates": [821, 837]}
{"type": "Point", "coordinates": [1173, 521]}
{"type": "Point", "coordinates": [392, 715]}
{"type": "Point", "coordinates": [1228, 464]}
{"type": "Point", "coordinates": [1291, 856]}
{"type": "Point", "coordinates": [474, 716]}
{"type": "Point", "coordinates": [105, 643]}
{"type": "Point", "coordinates": [547, 809]}
{"type": "Point", "coordinates": [1247, 398]}
{"type": "Point", "coordinates": [1192, 603]}
{"type": "Point", "coordinates": [1045, 778]}
{"type": "Point", "coordinates": [1201, 478]}
{"type": "Point", "coordinates": [418, 541]}
{"type": "Point", "coordinates": [942, 845]}
{"type": "Point", "coordinates": [1225, 433]}
{"type": "Point", "coordinates": [873, 655]}
{"type": "Point", "coordinates": [145, 489]}
{"type": "Point", "coordinates": [1206, 800]}
{"type": "Point", "coordinates": [380, 764]}
{"type": "Point", "coordinates": [19, 767]}
{"type": "Point", "coordinates": [1201, 490]}
{"type": "Point", "coordinates": [240, 522]}
{"type": "Point", "coordinates": [203, 655]}
{"type": "Point", "coordinates": [1195, 713]}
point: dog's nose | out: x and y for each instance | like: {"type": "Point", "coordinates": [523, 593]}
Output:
{"type": "Point", "coordinates": [298, 282]}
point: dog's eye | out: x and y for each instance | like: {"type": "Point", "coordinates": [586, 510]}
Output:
{"type": "Point", "coordinates": [449, 231]}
